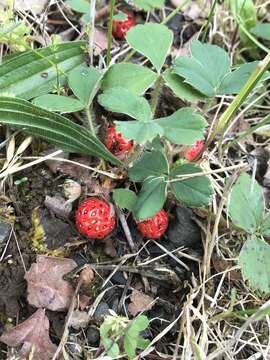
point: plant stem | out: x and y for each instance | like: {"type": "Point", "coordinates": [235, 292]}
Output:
{"type": "Point", "coordinates": [212, 10]}
{"type": "Point", "coordinates": [174, 12]}
{"type": "Point", "coordinates": [155, 95]}
{"type": "Point", "coordinates": [254, 78]}
{"type": "Point", "coordinates": [90, 121]}
{"type": "Point", "coordinates": [109, 35]}
{"type": "Point", "coordinates": [92, 29]}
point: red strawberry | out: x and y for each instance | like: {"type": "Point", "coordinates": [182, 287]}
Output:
{"type": "Point", "coordinates": [95, 218]}
{"type": "Point", "coordinates": [154, 227]}
{"type": "Point", "coordinates": [121, 27]}
{"type": "Point", "coordinates": [116, 143]}
{"type": "Point", "coordinates": [192, 153]}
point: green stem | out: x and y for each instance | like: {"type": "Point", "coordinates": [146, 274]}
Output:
{"type": "Point", "coordinates": [174, 12]}
{"type": "Point", "coordinates": [109, 35]}
{"type": "Point", "coordinates": [155, 95]}
{"type": "Point", "coordinates": [248, 132]}
{"type": "Point", "coordinates": [212, 10]}
{"type": "Point", "coordinates": [90, 121]}
{"type": "Point", "coordinates": [227, 116]}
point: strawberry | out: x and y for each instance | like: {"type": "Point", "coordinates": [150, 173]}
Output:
{"type": "Point", "coordinates": [154, 227]}
{"type": "Point", "coordinates": [116, 143]}
{"type": "Point", "coordinates": [95, 218]}
{"type": "Point", "coordinates": [192, 153]}
{"type": "Point", "coordinates": [121, 27]}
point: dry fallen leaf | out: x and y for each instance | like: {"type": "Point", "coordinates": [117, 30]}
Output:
{"type": "Point", "coordinates": [79, 319]}
{"type": "Point", "coordinates": [33, 335]}
{"type": "Point", "coordinates": [139, 302]}
{"type": "Point", "coordinates": [46, 287]}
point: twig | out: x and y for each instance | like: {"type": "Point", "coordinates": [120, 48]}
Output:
{"type": "Point", "coordinates": [125, 227]}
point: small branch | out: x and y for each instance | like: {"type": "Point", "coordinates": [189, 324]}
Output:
{"type": "Point", "coordinates": [126, 229]}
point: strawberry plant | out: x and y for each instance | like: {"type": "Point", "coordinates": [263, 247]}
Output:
{"type": "Point", "coordinates": [246, 208]}
{"type": "Point", "coordinates": [120, 335]}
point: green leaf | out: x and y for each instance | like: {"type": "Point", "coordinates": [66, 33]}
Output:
{"type": "Point", "coordinates": [142, 343]}
{"type": "Point", "coordinates": [120, 16]}
{"type": "Point", "coordinates": [104, 329]}
{"type": "Point", "coordinates": [150, 164]}
{"type": "Point", "coordinates": [151, 40]}
{"type": "Point", "coordinates": [265, 226]}
{"type": "Point", "coordinates": [246, 204]}
{"type": "Point", "coordinates": [85, 82]}
{"type": "Point", "coordinates": [255, 265]}
{"type": "Point", "coordinates": [195, 191]}
{"type": "Point", "coordinates": [201, 70]}
{"type": "Point", "coordinates": [246, 10]}
{"type": "Point", "coordinates": [111, 347]}
{"type": "Point", "coordinates": [136, 78]}
{"type": "Point", "coordinates": [234, 81]}
{"type": "Point", "coordinates": [52, 127]}
{"type": "Point", "coordinates": [184, 126]}
{"type": "Point", "coordinates": [124, 101]}
{"type": "Point", "coordinates": [245, 14]}
{"type": "Point", "coordinates": [139, 324]}
{"type": "Point", "coordinates": [151, 198]}
{"type": "Point", "coordinates": [38, 72]}
{"type": "Point", "coordinates": [124, 198]}
{"type": "Point", "coordinates": [181, 89]}
{"type": "Point", "coordinates": [262, 31]}
{"type": "Point", "coordinates": [148, 5]}
{"type": "Point", "coordinates": [130, 344]}
{"type": "Point", "coordinates": [141, 132]}
{"type": "Point", "coordinates": [63, 104]}
{"type": "Point", "coordinates": [81, 6]}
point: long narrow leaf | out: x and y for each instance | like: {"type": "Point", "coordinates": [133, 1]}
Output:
{"type": "Point", "coordinates": [38, 72]}
{"type": "Point", "coordinates": [52, 127]}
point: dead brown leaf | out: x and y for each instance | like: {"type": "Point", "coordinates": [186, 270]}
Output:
{"type": "Point", "coordinates": [221, 265]}
{"type": "Point", "coordinates": [139, 302]}
{"type": "Point", "coordinates": [46, 287]}
{"type": "Point", "coordinates": [79, 319]}
{"type": "Point", "coordinates": [33, 335]}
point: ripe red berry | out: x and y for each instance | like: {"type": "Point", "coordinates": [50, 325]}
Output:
{"type": "Point", "coordinates": [95, 218]}
{"type": "Point", "coordinates": [116, 143]}
{"type": "Point", "coordinates": [121, 27]}
{"type": "Point", "coordinates": [192, 153]}
{"type": "Point", "coordinates": [154, 227]}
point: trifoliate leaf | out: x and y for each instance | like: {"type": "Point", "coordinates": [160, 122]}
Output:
{"type": "Point", "coordinates": [151, 40]}
{"type": "Point", "coordinates": [63, 104]}
{"type": "Point", "coordinates": [180, 88]}
{"type": "Point", "coordinates": [255, 265]}
{"type": "Point", "coordinates": [152, 163]}
{"type": "Point", "coordinates": [205, 68]}
{"type": "Point", "coordinates": [151, 198]}
{"type": "Point", "coordinates": [85, 82]}
{"type": "Point", "coordinates": [121, 100]}
{"type": "Point", "coordinates": [195, 191]}
{"type": "Point", "coordinates": [139, 131]}
{"type": "Point", "coordinates": [136, 78]}
{"type": "Point", "coordinates": [246, 204]}
{"type": "Point", "coordinates": [184, 126]}
{"type": "Point", "coordinates": [124, 198]}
